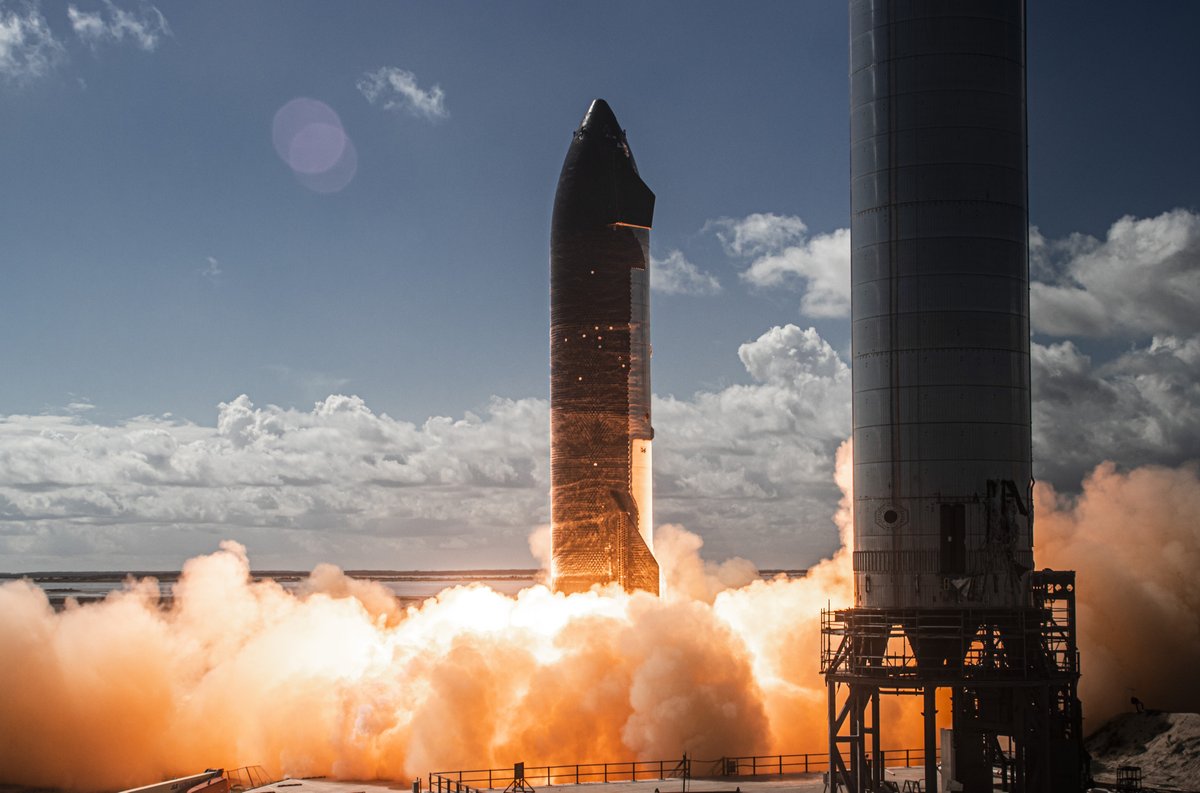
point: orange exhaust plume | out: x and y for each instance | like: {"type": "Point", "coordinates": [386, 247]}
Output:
{"type": "Point", "coordinates": [1134, 538]}
{"type": "Point", "coordinates": [337, 679]}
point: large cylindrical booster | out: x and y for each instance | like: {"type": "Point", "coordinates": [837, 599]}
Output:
{"type": "Point", "coordinates": [940, 276]}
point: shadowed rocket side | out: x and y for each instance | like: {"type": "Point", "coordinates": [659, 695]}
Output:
{"type": "Point", "coordinates": [600, 433]}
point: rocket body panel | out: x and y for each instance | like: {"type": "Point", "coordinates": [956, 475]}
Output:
{"type": "Point", "coordinates": [940, 304]}
{"type": "Point", "coordinates": [600, 430]}
{"type": "Point", "coordinates": [943, 522]}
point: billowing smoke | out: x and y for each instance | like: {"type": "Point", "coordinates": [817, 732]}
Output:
{"type": "Point", "coordinates": [336, 679]}
{"type": "Point", "coordinates": [1134, 539]}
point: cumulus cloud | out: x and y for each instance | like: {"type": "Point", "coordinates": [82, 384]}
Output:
{"type": "Point", "coordinates": [1138, 409]}
{"type": "Point", "coordinates": [758, 234]}
{"type": "Point", "coordinates": [1141, 284]}
{"type": "Point", "coordinates": [745, 465]}
{"type": "Point", "coordinates": [675, 275]}
{"type": "Point", "coordinates": [28, 49]}
{"type": "Point", "coordinates": [339, 481]}
{"type": "Point", "coordinates": [1142, 279]}
{"type": "Point", "coordinates": [144, 27]}
{"type": "Point", "coordinates": [397, 89]}
{"type": "Point", "coordinates": [750, 466]}
{"type": "Point", "coordinates": [793, 356]}
{"type": "Point", "coordinates": [782, 254]}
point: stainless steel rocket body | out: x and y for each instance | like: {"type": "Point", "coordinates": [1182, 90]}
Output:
{"type": "Point", "coordinates": [600, 431]}
{"type": "Point", "coordinates": [940, 277]}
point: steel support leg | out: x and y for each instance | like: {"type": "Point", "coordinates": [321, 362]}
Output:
{"type": "Point", "coordinates": [931, 740]}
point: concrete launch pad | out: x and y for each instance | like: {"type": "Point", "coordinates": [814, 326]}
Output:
{"type": "Point", "coordinates": [811, 782]}
{"type": "Point", "coordinates": [792, 783]}
{"type": "Point", "coordinates": [330, 786]}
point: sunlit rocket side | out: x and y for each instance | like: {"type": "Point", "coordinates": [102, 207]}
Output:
{"type": "Point", "coordinates": [600, 432]}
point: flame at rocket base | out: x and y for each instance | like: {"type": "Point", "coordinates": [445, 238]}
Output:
{"type": "Point", "coordinates": [600, 432]}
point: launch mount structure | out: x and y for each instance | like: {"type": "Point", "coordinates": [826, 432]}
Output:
{"type": "Point", "coordinates": [1013, 674]}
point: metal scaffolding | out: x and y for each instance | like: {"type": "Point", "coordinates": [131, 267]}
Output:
{"type": "Point", "coordinates": [1013, 674]}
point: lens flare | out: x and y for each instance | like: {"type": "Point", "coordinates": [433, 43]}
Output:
{"type": "Point", "coordinates": [316, 148]}
{"type": "Point", "coordinates": [309, 137]}
{"type": "Point", "coordinates": [337, 176]}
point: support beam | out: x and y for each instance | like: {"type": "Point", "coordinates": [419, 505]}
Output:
{"type": "Point", "coordinates": [931, 740]}
{"type": "Point", "coordinates": [1015, 702]}
{"type": "Point", "coordinates": [876, 744]}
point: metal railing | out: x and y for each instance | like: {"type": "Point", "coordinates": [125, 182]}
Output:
{"type": "Point", "coordinates": [474, 780]}
{"type": "Point", "coordinates": [247, 777]}
{"type": "Point", "coordinates": [1034, 642]}
{"type": "Point", "coordinates": [807, 763]}
{"type": "Point", "coordinates": [471, 780]}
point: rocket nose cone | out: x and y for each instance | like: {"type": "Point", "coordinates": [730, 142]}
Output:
{"type": "Point", "coordinates": [600, 118]}
{"type": "Point", "coordinates": [599, 184]}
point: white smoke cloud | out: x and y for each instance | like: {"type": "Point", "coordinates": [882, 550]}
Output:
{"type": "Point", "coordinates": [144, 27]}
{"type": "Point", "coordinates": [359, 689]}
{"type": "Point", "coordinates": [397, 89]}
{"type": "Point", "coordinates": [1143, 279]}
{"type": "Point", "coordinates": [782, 254]}
{"type": "Point", "coordinates": [142, 690]}
{"type": "Point", "coordinates": [675, 275]}
{"type": "Point", "coordinates": [28, 48]}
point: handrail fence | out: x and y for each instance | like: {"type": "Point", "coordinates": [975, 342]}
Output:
{"type": "Point", "coordinates": [471, 780]}
{"type": "Point", "coordinates": [807, 763]}
{"type": "Point", "coordinates": [477, 779]}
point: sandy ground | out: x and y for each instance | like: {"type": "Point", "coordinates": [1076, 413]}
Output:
{"type": "Point", "coordinates": [1165, 745]}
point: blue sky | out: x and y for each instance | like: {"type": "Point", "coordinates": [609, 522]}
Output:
{"type": "Point", "coordinates": [160, 259]}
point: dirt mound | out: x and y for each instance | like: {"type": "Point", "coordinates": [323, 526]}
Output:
{"type": "Point", "coordinates": [1165, 745]}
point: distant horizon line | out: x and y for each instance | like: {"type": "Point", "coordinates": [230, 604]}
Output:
{"type": "Point", "coordinates": [120, 575]}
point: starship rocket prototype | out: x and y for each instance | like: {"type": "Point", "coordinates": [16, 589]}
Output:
{"type": "Point", "coordinates": [600, 429]}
